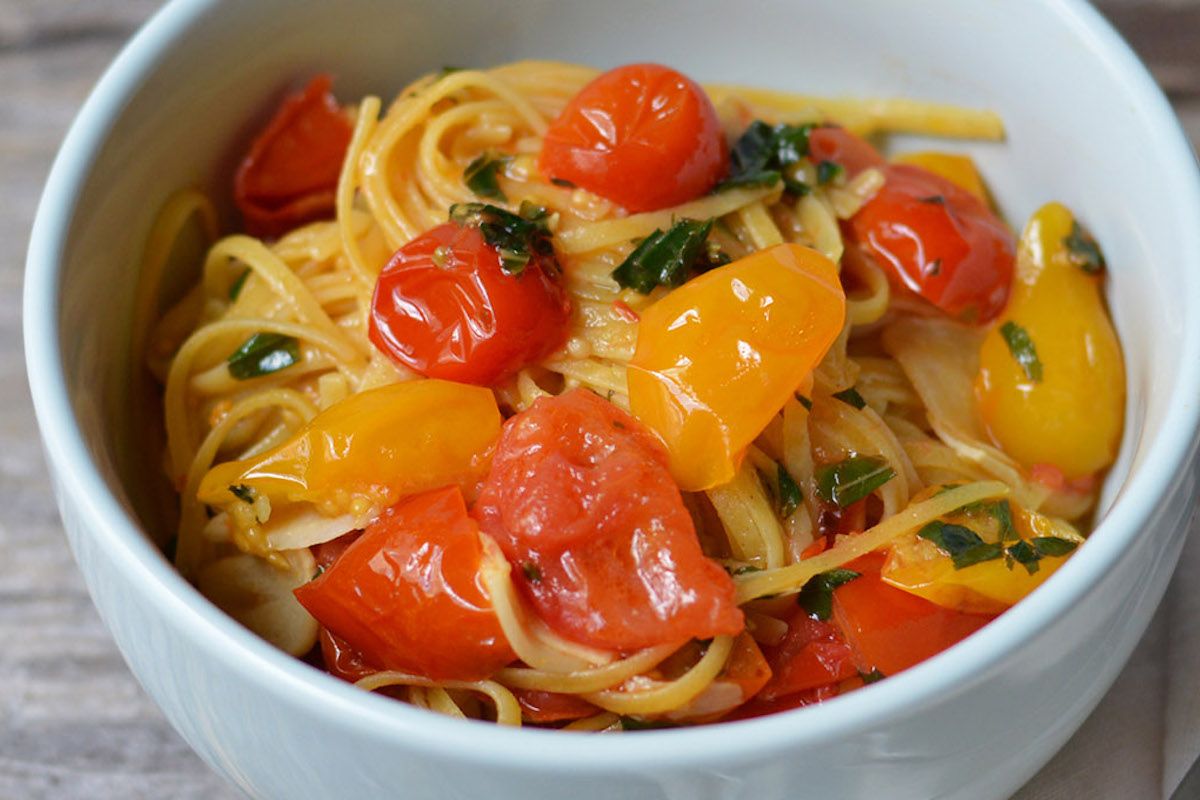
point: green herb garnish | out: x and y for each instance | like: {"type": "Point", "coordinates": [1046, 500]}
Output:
{"type": "Point", "coordinates": [851, 397]}
{"type": "Point", "coordinates": [235, 288]}
{"type": "Point", "coordinates": [666, 259]}
{"type": "Point", "coordinates": [852, 479]}
{"type": "Point", "coordinates": [1052, 546]}
{"type": "Point", "coordinates": [804, 401]}
{"type": "Point", "coordinates": [517, 237]}
{"type": "Point", "coordinates": [1022, 349]}
{"type": "Point", "coordinates": [635, 724]}
{"type": "Point", "coordinates": [533, 573]}
{"type": "Point", "coordinates": [828, 172]}
{"type": "Point", "coordinates": [1084, 251]}
{"type": "Point", "coordinates": [1023, 553]}
{"type": "Point", "coordinates": [480, 175]}
{"type": "Point", "coordinates": [789, 493]}
{"type": "Point", "coordinates": [262, 354]}
{"type": "Point", "coordinates": [816, 596]}
{"type": "Point", "coordinates": [874, 676]}
{"type": "Point", "coordinates": [242, 492]}
{"type": "Point", "coordinates": [962, 544]}
{"type": "Point", "coordinates": [761, 155]}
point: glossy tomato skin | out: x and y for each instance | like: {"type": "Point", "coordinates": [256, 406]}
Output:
{"type": "Point", "coordinates": [444, 307]}
{"type": "Point", "coordinates": [812, 654]}
{"type": "Point", "coordinates": [890, 630]}
{"type": "Point", "coordinates": [580, 499]}
{"type": "Point", "coordinates": [407, 595]}
{"type": "Point", "coordinates": [642, 135]}
{"type": "Point", "coordinates": [851, 152]}
{"type": "Point", "coordinates": [543, 708]}
{"type": "Point", "coordinates": [290, 174]}
{"type": "Point", "coordinates": [939, 241]}
{"type": "Point", "coordinates": [341, 660]}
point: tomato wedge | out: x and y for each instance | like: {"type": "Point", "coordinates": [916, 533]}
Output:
{"type": "Point", "coordinates": [406, 595]}
{"type": "Point", "coordinates": [444, 306]}
{"type": "Point", "coordinates": [580, 499]}
{"type": "Point", "coordinates": [889, 629]}
{"type": "Point", "coordinates": [290, 174]}
{"type": "Point", "coordinates": [642, 135]}
{"type": "Point", "coordinates": [542, 708]}
{"type": "Point", "coordinates": [812, 654]}
{"type": "Point", "coordinates": [939, 241]}
{"type": "Point", "coordinates": [852, 153]}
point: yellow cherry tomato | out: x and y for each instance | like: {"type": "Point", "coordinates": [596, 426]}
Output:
{"type": "Point", "coordinates": [955, 168]}
{"type": "Point", "coordinates": [981, 560]}
{"type": "Point", "coordinates": [370, 449]}
{"type": "Point", "coordinates": [1051, 384]}
{"type": "Point", "coordinates": [718, 357]}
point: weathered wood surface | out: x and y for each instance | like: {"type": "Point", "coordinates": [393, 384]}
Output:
{"type": "Point", "coordinates": [73, 722]}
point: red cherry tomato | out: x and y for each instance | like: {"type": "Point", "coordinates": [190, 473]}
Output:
{"type": "Point", "coordinates": [342, 660]}
{"type": "Point", "coordinates": [853, 153]}
{"type": "Point", "coordinates": [889, 629]}
{"type": "Point", "coordinates": [812, 654]}
{"type": "Point", "coordinates": [642, 135]}
{"type": "Point", "coordinates": [938, 240]}
{"type": "Point", "coordinates": [541, 708]}
{"type": "Point", "coordinates": [291, 173]}
{"type": "Point", "coordinates": [445, 307]}
{"type": "Point", "coordinates": [581, 501]}
{"type": "Point", "coordinates": [760, 707]}
{"type": "Point", "coordinates": [407, 595]}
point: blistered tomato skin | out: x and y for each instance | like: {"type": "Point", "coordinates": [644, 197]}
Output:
{"type": "Point", "coordinates": [407, 595]}
{"type": "Point", "coordinates": [643, 135]}
{"type": "Point", "coordinates": [580, 500]}
{"type": "Point", "coordinates": [445, 307]}
{"type": "Point", "coordinates": [1073, 416]}
{"type": "Point", "coordinates": [939, 241]}
{"type": "Point", "coordinates": [718, 357]}
{"type": "Point", "coordinates": [290, 174]}
{"type": "Point", "coordinates": [851, 152]}
{"type": "Point", "coordinates": [380, 444]}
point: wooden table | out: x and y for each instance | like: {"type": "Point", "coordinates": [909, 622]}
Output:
{"type": "Point", "coordinates": [73, 722]}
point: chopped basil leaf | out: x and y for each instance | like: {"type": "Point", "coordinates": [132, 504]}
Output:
{"type": "Point", "coordinates": [235, 288]}
{"type": "Point", "coordinates": [1002, 511]}
{"type": "Point", "coordinates": [934, 199]}
{"type": "Point", "coordinates": [816, 596]}
{"type": "Point", "coordinates": [1022, 349]}
{"type": "Point", "coordinates": [665, 259]}
{"type": "Point", "coordinates": [962, 544]}
{"type": "Point", "coordinates": [635, 724]}
{"type": "Point", "coordinates": [1052, 546]}
{"type": "Point", "coordinates": [563, 182]}
{"type": "Point", "coordinates": [262, 354]}
{"type": "Point", "coordinates": [851, 397]}
{"type": "Point", "coordinates": [480, 175]}
{"type": "Point", "coordinates": [874, 676]}
{"type": "Point", "coordinates": [804, 401]}
{"type": "Point", "coordinates": [852, 479]}
{"type": "Point", "coordinates": [532, 573]}
{"type": "Point", "coordinates": [828, 171]}
{"type": "Point", "coordinates": [762, 153]}
{"type": "Point", "coordinates": [242, 492]}
{"type": "Point", "coordinates": [1024, 554]}
{"type": "Point", "coordinates": [1085, 252]}
{"type": "Point", "coordinates": [789, 493]}
{"type": "Point", "coordinates": [516, 237]}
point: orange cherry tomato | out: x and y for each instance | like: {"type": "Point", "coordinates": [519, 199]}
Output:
{"type": "Point", "coordinates": [407, 594]}
{"type": "Point", "coordinates": [853, 153]}
{"type": "Point", "coordinates": [642, 135]}
{"type": "Point", "coordinates": [939, 241]}
{"type": "Point", "coordinates": [889, 629]}
{"type": "Point", "coordinates": [445, 307]}
{"type": "Point", "coordinates": [377, 446]}
{"type": "Point", "coordinates": [718, 357]}
{"type": "Point", "coordinates": [812, 654]}
{"type": "Point", "coordinates": [290, 174]}
{"type": "Point", "coordinates": [580, 499]}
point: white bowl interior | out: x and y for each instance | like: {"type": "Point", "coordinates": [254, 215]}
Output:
{"type": "Point", "coordinates": [1083, 128]}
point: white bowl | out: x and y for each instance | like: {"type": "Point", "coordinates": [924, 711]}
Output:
{"type": "Point", "coordinates": [1087, 126]}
